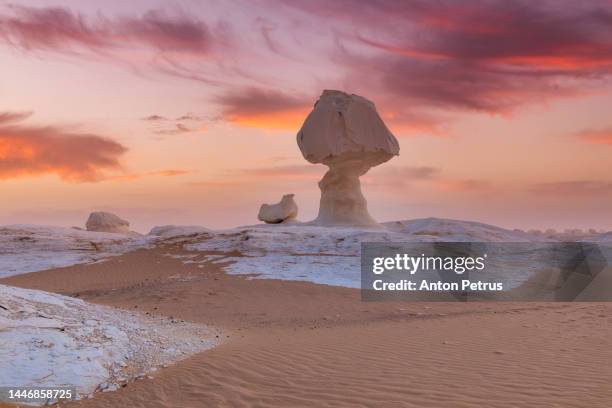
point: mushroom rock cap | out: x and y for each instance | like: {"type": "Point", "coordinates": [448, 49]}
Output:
{"type": "Point", "coordinates": [345, 125]}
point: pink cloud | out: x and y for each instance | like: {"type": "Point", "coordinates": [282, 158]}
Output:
{"type": "Point", "coordinates": [487, 56]}
{"type": "Point", "coordinates": [421, 61]}
{"type": "Point", "coordinates": [574, 188]}
{"type": "Point", "coordinates": [60, 29]}
{"type": "Point", "coordinates": [6, 117]}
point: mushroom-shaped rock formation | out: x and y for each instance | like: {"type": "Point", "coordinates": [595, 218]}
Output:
{"type": "Point", "coordinates": [284, 210]}
{"type": "Point", "coordinates": [101, 221]}
{"type": "Point", "coordinates": [345, 133]}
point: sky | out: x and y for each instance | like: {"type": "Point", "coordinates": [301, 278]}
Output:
{"type": "Point", "coordinates": [185, 112]}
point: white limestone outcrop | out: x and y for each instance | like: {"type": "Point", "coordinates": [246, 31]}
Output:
{"type": "Point", "coordinates": [282, 211]}
{"type": "Point", "coordinates": [101, 221]}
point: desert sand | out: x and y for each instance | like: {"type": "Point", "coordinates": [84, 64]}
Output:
{"type": "Point", "coordinates": [298, 344]}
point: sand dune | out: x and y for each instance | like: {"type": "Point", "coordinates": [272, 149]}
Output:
{"type": "Point", "coordinates": [296, 344]}
{"type": "Point", "coordinates": [507, 360]}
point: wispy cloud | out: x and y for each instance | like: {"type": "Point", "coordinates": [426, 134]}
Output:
{"type": "Point", "coordinates": [172, 42]}
{"type": "Point", "coordinates": [190, 117]}
{"type": "Point", "coordinates": [27, 150]}
{"type": "Point", "coordinates": [155, 118]}
{"type": "Point", "coordinates": [391, 176]}
{"type": "Point", "coordinates": [164, 126]}
{"type": "Point", "coordinates": [396, 179]}
{"type": "Point", "coordinates": [290, 171]}
{"type": "Point", "coordinates": [176, 129]}
{"type": "Point", "coordinates": [412, 172]}
{"type": "Point", "coordinates": [465, 185]}
{"type": "Point", "coordinates": [6, 117]}
{"type": "Point", "coordinates": [486, 56]}
{"type": "Point", "coordinates": [159, 173]}
{"type": "Point", "coordinates": [422, 62]}
{"type": "Point", "coordinates": [60, 29]}
{"type": "Point", "coordinates": [573, 188]}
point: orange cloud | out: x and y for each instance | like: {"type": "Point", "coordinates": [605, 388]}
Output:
{"type": "Point", "coordinates": [601, 137]}
{"type": "Point", "coordinates": [584, 56]}
{"type": "Point", "coordinates": [34, 151]}
{"type": "Point", "coordinates": [555, 61]}
{"type": "Point", "coordinates": [288, 120]}
{"type": "Point", "coordinates": [411, 123]}
{"type": "Point", "coordinates": [262, 108]}
{"type": "Point", "coordinates": [160, 173]}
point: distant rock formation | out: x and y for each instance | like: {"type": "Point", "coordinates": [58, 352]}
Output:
{"type": "Point", "coordinates": [284, 210]}
{"type": "Point", "coordinates": [101, 221]}
{"type": "Point", "coordinates": [345, 133]}
{"type": "Point", "coordinates": [169, 231]}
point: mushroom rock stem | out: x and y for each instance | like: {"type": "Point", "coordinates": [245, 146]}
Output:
{"type": "Point", "coordinates": [342, 202]}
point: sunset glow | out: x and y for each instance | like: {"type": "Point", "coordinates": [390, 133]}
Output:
{"type": "Point", "coordinates": [186, 112]}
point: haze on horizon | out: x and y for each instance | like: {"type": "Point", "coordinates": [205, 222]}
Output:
{"type": "Point", "coordinates": [185, 112]}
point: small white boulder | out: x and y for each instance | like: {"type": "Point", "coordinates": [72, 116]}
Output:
{"type": "Point", "coordinates": [101, 221]}
{"type": "Point", "coordinates": [284, 210]}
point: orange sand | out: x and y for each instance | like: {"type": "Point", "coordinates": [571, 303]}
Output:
{"type": "Point", "coordinates": [296, 344]}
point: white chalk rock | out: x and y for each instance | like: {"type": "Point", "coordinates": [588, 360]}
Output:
{"type": "Point", "coordinates": [341, 123]}
{"type": "Point", "coordinates": [284, 210]}
{"type": "Point", "coordinates": [101, 221]}
{"type": "Point", "coordinates": [345, 133]}
{"type": "Point", "coordinates": [170, 231]}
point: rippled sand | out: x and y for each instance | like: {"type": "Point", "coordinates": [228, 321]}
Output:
{"type": "Point", "coordinates": [296, 344]}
